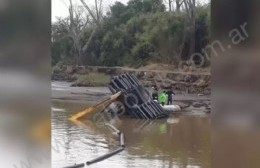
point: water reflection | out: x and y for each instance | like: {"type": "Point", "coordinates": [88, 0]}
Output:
{"type": "Point", "coordinates": [180, 141]}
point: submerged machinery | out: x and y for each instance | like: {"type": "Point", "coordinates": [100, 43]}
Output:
{"type": "Point", "coordinates": [136, 98]}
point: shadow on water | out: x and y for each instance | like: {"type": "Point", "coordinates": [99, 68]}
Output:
{"type": "Point", "coordinates": [180, 141]}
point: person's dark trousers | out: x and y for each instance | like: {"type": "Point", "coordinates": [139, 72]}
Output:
{"type": "Point", "coordinates": [155, 97]}
{"type": "Point", "coordinates": [163, 103]}
{"type": "Point", "coordinates": [169, 102]}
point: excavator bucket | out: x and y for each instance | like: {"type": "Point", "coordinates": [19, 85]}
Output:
{"type": "Point", "coordinates": [96, 108]}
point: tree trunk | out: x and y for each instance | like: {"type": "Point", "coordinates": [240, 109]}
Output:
{"type": "Point", "coordinates": [96, 19]}
{"type": "Point", "coordinates": [85, 47]}
{"type": "Point", "coordinates": [192, 43]}
{"type": "Point", "coordinates": [170, 5]}
{"type": "Point", "coordinates": [191, 19]}
{"type": "Point", "coordinates": [193, 31]}
{"type": "Point", "coordinates": [80, 57]}
{"type": "Point", "coordinates": [178, 5]}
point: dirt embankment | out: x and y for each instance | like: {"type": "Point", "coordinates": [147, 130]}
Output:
{"type": "Point", "coordinates": [183, 81]}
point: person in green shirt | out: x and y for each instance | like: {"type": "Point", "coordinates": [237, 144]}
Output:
{"type": "Point", "coordinates": [163, 98]}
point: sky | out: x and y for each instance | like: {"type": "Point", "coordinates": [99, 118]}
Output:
{"type": "Point", "coordinates": [60, 7]}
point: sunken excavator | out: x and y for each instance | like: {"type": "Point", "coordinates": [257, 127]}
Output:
{"type": "Point", "coordinates": [134, 98]}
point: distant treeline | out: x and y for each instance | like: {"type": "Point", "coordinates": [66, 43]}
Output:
{"type": "Point", "coordinates": [141, 32]}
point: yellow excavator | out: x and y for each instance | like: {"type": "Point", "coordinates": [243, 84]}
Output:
{"type": "Point", "coordinates": [96, 108]}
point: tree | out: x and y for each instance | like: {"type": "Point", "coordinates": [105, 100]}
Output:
{"type": "Point", "coordinates": [135, 34]}
{"type": "Point", "coordinates": [190, 7]}
{"type": "Point", "coordinates": [178, 4]}
{"type": "Point", "coordinates": [62, 44]}
{"type": "Point", "coordinates": [75, 25]}
{"type": "Point", "coordinates": [170, 5]}
{"type": "Point", "coordinates": [96, 16]}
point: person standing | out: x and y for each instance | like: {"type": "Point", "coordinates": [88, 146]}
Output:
{"type": "Point", "coordinates": [155, 94]}
{"type": "Point", "coordinates": [163, 98]}
{"type": "Point", "coordinates": [169, 93]}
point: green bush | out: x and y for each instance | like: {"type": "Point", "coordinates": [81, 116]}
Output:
{"type": "Point", "coordinates": [142, 53]}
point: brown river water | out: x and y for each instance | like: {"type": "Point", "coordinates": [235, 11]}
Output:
{"type": "Point", "coordinates": [181, 141]}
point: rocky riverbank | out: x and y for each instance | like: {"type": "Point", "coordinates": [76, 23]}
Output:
{"type": "Point", "coordinates": [188, 82]}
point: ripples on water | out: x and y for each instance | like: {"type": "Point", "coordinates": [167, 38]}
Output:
{"type": "Point", "coordinates": [181, 141]}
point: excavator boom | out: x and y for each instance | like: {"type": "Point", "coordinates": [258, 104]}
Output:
{"type": "Point", "coordinates": [96, 108]}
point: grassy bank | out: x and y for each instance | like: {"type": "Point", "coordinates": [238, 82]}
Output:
{"type": "Point", "coordinates": [92, 80]}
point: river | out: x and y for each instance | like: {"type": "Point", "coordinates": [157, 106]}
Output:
{"type": "Point", "coordinates": [183, 140]}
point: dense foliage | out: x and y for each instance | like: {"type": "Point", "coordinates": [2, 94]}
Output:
{"type": "Point", "coordinates": [141, 32]}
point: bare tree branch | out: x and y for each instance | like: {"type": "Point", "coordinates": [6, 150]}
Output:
{"type": "Point", "coordinates": [97, 20]}
{"type": "Point", "coordinates": [100, 9]}
{"type": "Point", "coordinates": [179, 3]}
{"type": "Point", "coordinates": [85, 47]}
{"type": "Point", "coordinates": [76, 25]}
{"type": "Point", "coordinates": [89, 11]}
{"type": "Point", "coordinates": [97, 13]}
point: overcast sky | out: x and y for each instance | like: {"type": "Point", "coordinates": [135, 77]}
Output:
{"type": "Point", "coordinates": [59, 7]}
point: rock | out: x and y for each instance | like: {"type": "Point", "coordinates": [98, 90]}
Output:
{"type": "Point", "coordinates": [191, 78]}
